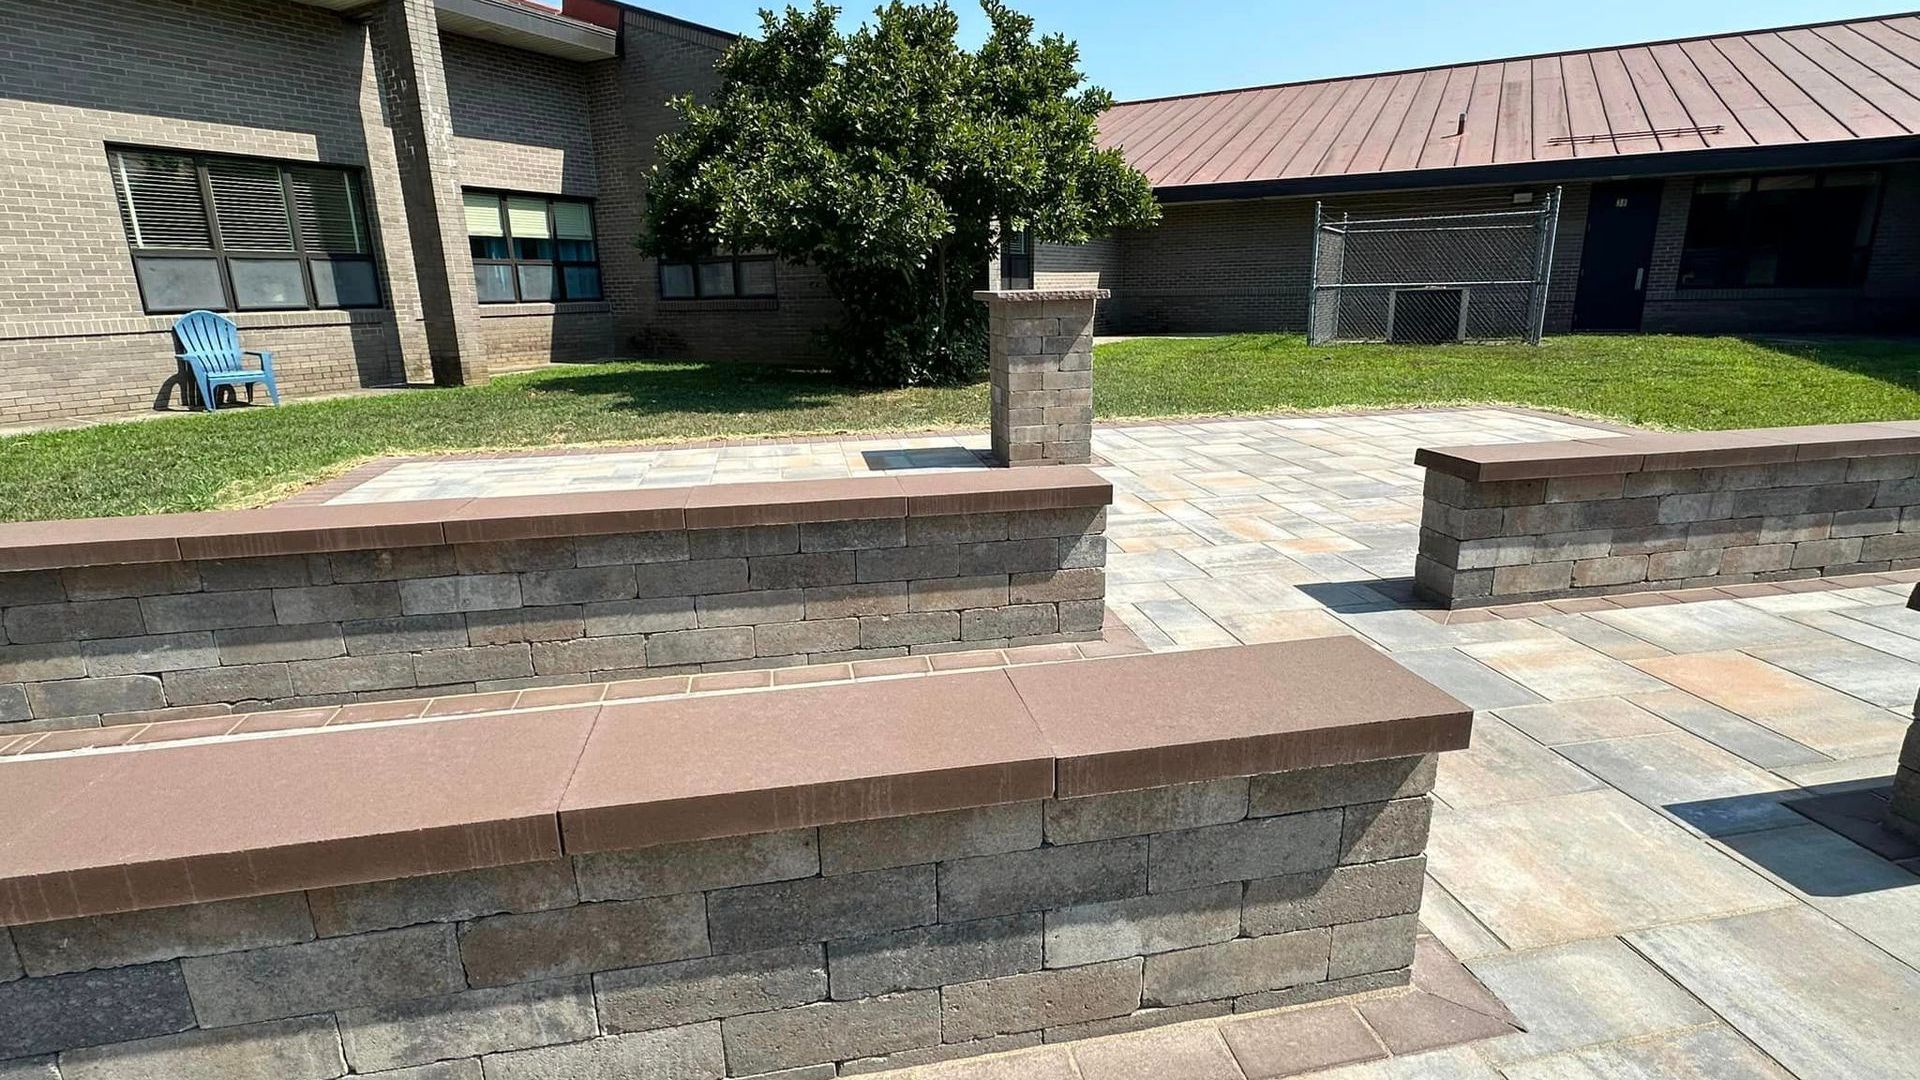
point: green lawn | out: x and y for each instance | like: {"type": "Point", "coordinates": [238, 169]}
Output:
{"type": "Point", "coordinates": [246, 457]}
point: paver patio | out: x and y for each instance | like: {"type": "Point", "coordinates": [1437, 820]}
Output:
{"type": "Point", "coordinates": [1615, 857]}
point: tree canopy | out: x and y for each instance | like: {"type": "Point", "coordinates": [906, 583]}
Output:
{"type": "Point", "coordinates": [882, 157]}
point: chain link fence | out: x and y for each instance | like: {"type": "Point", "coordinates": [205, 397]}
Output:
{"type": "Point", "coordinates": [1431, 278]}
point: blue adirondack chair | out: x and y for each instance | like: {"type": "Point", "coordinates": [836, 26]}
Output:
{"type": "Point", "coordinates": [210, 345]}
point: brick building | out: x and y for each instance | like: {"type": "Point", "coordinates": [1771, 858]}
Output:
{"type": "Point", "coordinates": [1764, 181]}
{"type": "Point", "coordinates": [376, 190]}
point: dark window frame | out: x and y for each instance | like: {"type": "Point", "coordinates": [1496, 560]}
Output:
{"type": "Point", "coordinates": [1016, 266]}
{"type": "Point", "coordinates": [1724, 257]}
{"type": "Point", "coordinates": [558, 264]}
{"type": "Point", "coordinates": [737, 259]}
{"type": "Point", "coordinates": [224, 256]}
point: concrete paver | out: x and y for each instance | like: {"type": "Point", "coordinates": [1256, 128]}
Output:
{"type": "Point", "coordinates": [1716, 1052]}
{"type": "Point", "coordinates": [1574, 996]}
{"type": "Point", "coordinates": [1588, 865]}
{"type": "Point", "coordinates": [1805, 990]}
{"type": "Point", "coordinates": [1747, 942]}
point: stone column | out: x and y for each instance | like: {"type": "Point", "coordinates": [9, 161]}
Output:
{"type": "Point", "coordinates": [1042, 355]}
{"type": "Point", "coordinates": [1903, 814]}
{"type": "Point", "coordinates": [408, 34]}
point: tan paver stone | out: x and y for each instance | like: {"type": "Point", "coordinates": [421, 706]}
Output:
{"type": "Point", "coordinates": [1189, 1051]}
{"type": "Point", "coordinates": [1573, 996]}
{"type": "Point", "coordinates": [1260, 627]}
{"type": "Point", "coordinates": [1809, 993]}
{"type": "Point", "coordinates": [1558, 670]}
{"type": "Point", "coordinates": [1762, 746]}
{"type": "Point", "coordinates": [1297, 1041]}
{"type": "Point", "coordinates": [1689, 780]}
{"type": "Point", "coordinates": [1412, 1022]}
{"type": "Point", "coordinates": [1463, 935]}
{"type": "Point", "coordinates": [1561, 722]}
{"type": "Point", "coordinates": [1798, 708]}
{"type": "Point", "coordinates": [1709, 1053]}
{"type": "Point", "coordinates": [1453, 1063]}
{"type": "Point", "coordinates": [1580, 866]}
{"type": "Point", "coordinates": [1866, 673]}
{"type": "Point", "coordinates": [1706, 627]}
{"type": "Point", "coordinates": [1504, 766]}
{"type": "Point", "coordinates": [1041, 1063]}
{"type": "Point", "coordinates": [1856, 888]}
{"type": "Point", "coordinates": [1243, 594]}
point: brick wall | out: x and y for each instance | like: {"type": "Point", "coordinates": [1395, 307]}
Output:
{"type": "Point", "coordinates": [1242, 266]}
{"type": "Point", "coordinates": [663, 60]}
{"type": "Point", "coordinates": [520, 119]}
{"type": "Point", "coordinates": [301, 83]}
{"type": "Point", "coordinates": [292, 83]}
{"type": "Point", "coordinates": [1889, 300]}
{"type": "Point", "coordinates": [1512, 540]}
{"type": "Point", "coordinates": [870, 945]}
{"type": "Point", "coordinates": [523, 122]}
{"type": "Point", "coordinates": [81, 644]}
{"type": "Point", "coordinates": [1094, 265]}
{"type": "Point", "coordinates": [1239, 266]}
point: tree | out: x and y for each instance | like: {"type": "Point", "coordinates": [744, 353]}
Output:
{"type": "Point", "coordinates": [882, 157]}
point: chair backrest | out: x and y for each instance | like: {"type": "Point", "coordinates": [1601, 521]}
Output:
{"type": "Point", "coordinates": [213, 338]}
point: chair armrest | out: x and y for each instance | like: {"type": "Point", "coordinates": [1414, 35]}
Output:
{"type": "Point", "coordinates": [261, 353]}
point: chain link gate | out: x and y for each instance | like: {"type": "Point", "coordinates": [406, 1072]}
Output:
{"type": "Point", "coordinates": [1431, 278]}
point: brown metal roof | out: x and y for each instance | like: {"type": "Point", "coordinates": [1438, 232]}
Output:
{"type": "Point", "coordinates": [1825, 83]}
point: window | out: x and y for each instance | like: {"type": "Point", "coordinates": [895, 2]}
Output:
{"type": "Point", "coordinates": [531, 249]}
{"type": "Point", "coordinates": [236, 234]}
{"type": "Point", "coordinates": [1016, 260]}
{"type": "Point", "coordinates": [1797, 230]}
{"type": "Point", "coordinates": [743, 274]}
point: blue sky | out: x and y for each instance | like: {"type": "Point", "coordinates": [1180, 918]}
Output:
{"type": "Point", "coordinates": [1147, 48]}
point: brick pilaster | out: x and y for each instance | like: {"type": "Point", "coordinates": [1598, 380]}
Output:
{"type": "Point", "coordinates": [1042, 370]}
{"type": "Point", "coordinates": [415, 84]}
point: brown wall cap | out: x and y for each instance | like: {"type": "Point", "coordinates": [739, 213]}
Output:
{"type": "Point", "coordinates": [1061, 487]}
{"type": "Point", "coordinates": [300, 530]}
{"type": "Point", "coordinates": [45, 545]}
{"type": "Point", "coordinates": [592, 513]}
{"type": "Point", "coordinates": [1661, 451]}
{"type": "Point", "coordinates": [1038, 296]}
{"type": "Point", "coordinates": [1175, 718]}
{"type": "Point", "coordinates": [663, 772]}
{"type": "Point", "coordinates": [124, 830]}
{"type": "Point", "coordinates": [306, 530]}
{"type": "Point", "coordinates": [101, 833]}
{"type": "Point", "coordinates": [790, 502]}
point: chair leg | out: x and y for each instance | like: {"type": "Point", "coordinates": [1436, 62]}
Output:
{"type": "Point", "coordinates": [273, 391]}
{"type": "Point", "coordinates": [206, 392]}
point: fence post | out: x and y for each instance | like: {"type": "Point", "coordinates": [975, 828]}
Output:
{"type": "Point", "coordinates": [1313, 280]}
{"type": "Point", "coordinates": [1543, 266]}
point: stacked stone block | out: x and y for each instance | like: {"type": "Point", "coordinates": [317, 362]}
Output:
{"type": "Point", "coordinates": [1904, 812]}
{"type": "Point", "coordinates": [1041, 355]}
{"type": "Point", "coordinates": [90, 643]}
{"type": "Point", "coordinates": [1511, 540]}
{"type": "Point", "coordinates": [815, 952]}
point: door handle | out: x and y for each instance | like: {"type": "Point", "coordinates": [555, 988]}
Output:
{"type": "Point", "coordinates": [1639, 278]}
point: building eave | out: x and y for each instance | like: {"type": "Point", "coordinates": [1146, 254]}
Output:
{"type": "Point", "coordinates": [1741, 159]}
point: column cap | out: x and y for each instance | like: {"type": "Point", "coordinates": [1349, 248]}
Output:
{"type": "Point", "coordinates": [1039, 296]}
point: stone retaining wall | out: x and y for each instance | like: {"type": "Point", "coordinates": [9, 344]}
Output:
{"type": "Point", "coordinates": [81, 643]}
{"type": "Point", "coordinates": [828, 951]}
{"type": "Point", "coordinates": [1514, 539]}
